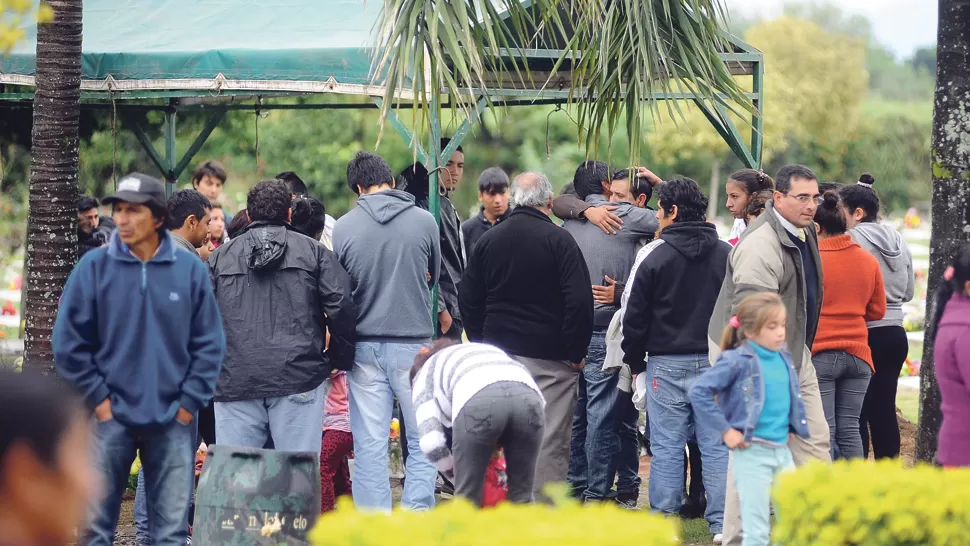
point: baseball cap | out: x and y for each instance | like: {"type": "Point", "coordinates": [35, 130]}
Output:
{"type": "Point", "coordinates": [140, 189]}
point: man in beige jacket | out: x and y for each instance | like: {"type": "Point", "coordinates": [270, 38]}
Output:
{"type": "Point", "coordinates": [779, 253]}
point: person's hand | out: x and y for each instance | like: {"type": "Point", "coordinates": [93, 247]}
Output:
{"type": "Point", "coordinates": [446, 320]}
{"type": "Point", "coordinates": [184, 416]}
{"type": "Point", "coordinates": [643, 172]}
{"type": "Point", "coordinates": [103, 411]}
{"type": "Point", "coordinates": [605, 294]}
{"type": "Point", "coordinates": [578, 366]}
{"type": "Point", "coordinates": [734, 439]}
{"type": "Point", "coordinates": [603, 218]}
{"type": "Point", "coordinates": [205, 250]}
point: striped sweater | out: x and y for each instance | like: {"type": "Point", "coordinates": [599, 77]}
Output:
{"type": "Point", "coordinates": [445, 384]}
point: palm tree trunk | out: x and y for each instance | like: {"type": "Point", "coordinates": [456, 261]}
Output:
{"type": "Point", "coordinates": [52, 222]}
{"type": "Point", "coordinates": [951, 192]}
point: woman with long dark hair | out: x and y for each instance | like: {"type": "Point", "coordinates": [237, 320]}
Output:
{"type": "Point", "coordinates": [887, 337]}
{"type": "Point", "coordinates": [741, 186]}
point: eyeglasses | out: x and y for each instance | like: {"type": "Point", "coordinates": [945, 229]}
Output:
{"type": "Point", "coordinates": [805, 199]}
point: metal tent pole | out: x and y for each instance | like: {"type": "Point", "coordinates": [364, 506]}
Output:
{"type": "Point", "coordinates": [169, 171]}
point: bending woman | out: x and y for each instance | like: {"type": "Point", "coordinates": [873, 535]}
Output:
{"type": "Point", "coordinates": [472, 399]}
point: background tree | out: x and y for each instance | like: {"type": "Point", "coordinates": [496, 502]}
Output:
{"type": "Point", "coordinates": [951, 194]}
{"type": "Point", "coordinates": [52, 220]}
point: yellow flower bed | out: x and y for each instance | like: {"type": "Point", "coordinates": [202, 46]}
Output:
{"type": "Point", "coordinates": [458, 523]}
{"type": "Point", "coordinates": [877, 504]}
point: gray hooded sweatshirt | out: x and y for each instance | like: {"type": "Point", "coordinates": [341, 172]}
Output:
{"type": "Point", "coordinates": [389, 246]}
{"type": "Point", "coordinates": [896, 263]}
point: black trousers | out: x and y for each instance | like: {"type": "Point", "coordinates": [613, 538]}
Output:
{"type": "Point", "coordinates": [207, 424]}
{"type": "Point", "coordinates": [878, 420]}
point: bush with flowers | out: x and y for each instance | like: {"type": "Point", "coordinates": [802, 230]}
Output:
{"type": "Point", "coordinates": [882, 504]}
{"type": "Point", "coordinates": [458, 523]}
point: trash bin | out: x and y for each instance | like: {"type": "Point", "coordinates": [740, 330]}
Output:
{"type": "Point", "coordinates": [256, 497]}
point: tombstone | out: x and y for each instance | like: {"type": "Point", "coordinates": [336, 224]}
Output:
{"type": "Point", "coordinates": [256, 497]}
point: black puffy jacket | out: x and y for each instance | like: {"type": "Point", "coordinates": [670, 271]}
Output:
{"type": "Point", "coordinates": [279, 291]}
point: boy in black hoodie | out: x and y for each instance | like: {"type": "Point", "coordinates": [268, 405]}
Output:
{"type": "Point", "coordinates": [671, 302]}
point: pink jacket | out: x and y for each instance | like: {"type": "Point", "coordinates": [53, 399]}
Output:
{"type": "Point", "coordinates": [952, 361]}
{"type": "Point", "coordinates": [336, 412]}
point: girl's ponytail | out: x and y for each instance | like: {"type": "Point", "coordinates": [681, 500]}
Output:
{"type": "Point", "coordinates": [731, 337]}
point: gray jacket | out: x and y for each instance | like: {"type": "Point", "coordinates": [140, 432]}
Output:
{"type": "Point", "coordinates": [896, 263]}
{"type": "Point", "coordinates": [765, 260]}
{"type": "Point", "coordinates": [182, 242]}
{"type": "Point", "coordinates": [389, 246]}
{"type": "Point", "coordinates": [611, 255]}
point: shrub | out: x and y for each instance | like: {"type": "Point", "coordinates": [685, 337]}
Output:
{"type": "Point", "coordinates": [458, 523]}
{"type": "Point", "coordinates": [879, 504]}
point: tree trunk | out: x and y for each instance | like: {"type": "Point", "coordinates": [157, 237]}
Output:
{"type": "Point", "coordinates": [951, 192]}
{"type": "Point", "coordinates": [52, 222]}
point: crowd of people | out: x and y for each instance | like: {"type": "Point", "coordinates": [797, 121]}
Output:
{"type": "Point", "coordinates": [282, 328]}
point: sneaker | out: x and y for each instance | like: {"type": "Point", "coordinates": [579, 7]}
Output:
{"type": "Point", "coordinates": [718, 538]}
{"type": "Point", "coordinates": [447, 489]}
{"type": "Point", "coordinates": [627, 503]}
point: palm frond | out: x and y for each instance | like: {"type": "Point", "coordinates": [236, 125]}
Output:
{"type": "Point", "coordinates": [621, 54]}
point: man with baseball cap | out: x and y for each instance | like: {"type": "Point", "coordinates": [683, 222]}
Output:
{"type": "Point", "coordinates": [138, 333]}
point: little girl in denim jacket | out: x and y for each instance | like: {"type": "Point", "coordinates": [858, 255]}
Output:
{"type": "Point", "coordinates": [758, 405]}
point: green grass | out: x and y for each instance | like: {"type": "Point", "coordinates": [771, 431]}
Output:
{"type": "Point", "coordinates": [907, 400]}
{"type": "Point", "coordinates": [696, 532]}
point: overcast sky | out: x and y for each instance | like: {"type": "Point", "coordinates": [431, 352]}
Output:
{"type": "Point", "coordinates": [902, 25]}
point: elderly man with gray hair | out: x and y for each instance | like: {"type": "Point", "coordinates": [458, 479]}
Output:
{"type": "Point", "coordinates": [526, 291]}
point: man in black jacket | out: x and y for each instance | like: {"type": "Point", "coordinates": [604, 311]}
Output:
{"type": "Point", "coordinates": [527, 291]}
{"type": "Point", "coordinates": [493, 194]}
{"type": "Point", "coordinates": [671, 300]}
{"type": "Point", "coordinates": [453, 249]}
{"type": "Point", "coordinates": [92, 231]}
{"type": "Point", "coordinates": [279, 291]}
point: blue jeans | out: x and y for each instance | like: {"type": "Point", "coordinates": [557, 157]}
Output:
{"type": "Point", "coordinates": [168, 458]}
{"type": "Point", "coordinates": [142, 535]}
{"type": "Point", "coordinates": [669, 378]}
{"type": "Point", "coordinates": [594, 441]}
{"type": "Point", "coordinates": [755, 469]}
{"type": "Point", "coordinates": [843, 380]}
{"type": "Point", "coordinates": [295, 422]}
{"type": "Point", "coordinates": [627, 459]}
{"type": "Point", "coordinates": [381, 373]}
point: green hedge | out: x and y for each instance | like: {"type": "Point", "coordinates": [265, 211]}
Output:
{"type": "Point", "coordinates": [457, 523]}
{"type": "Point", "coordinates": [872, 504]}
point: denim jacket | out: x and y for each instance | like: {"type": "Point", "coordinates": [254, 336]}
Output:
{"type": "Point", "coordinates": [737, 381]}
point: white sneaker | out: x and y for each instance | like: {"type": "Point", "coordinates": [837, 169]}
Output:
{"type": "Point", "coordinates": [718, 538]}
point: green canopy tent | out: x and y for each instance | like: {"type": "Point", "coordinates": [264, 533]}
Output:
{"type": "Point", "coordinates": [211, 54]}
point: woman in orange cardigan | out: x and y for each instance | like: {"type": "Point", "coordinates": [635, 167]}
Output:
{"type": "Point", "coordinates": [853, 293]}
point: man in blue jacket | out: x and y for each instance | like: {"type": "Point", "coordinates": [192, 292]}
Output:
{"type": "Point", "coordinates": [138, 333]}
